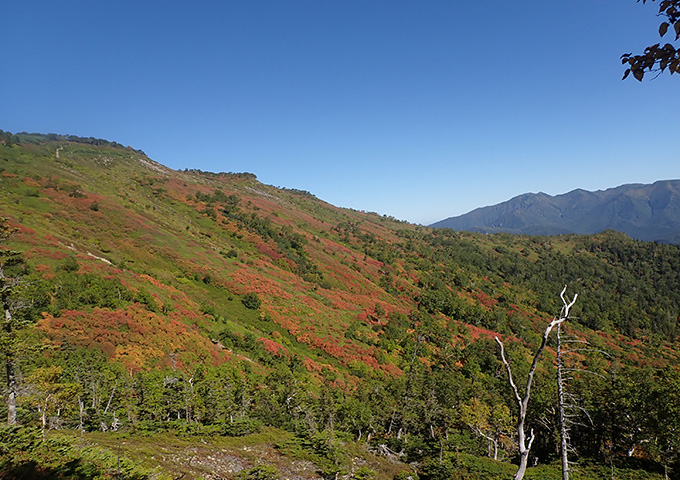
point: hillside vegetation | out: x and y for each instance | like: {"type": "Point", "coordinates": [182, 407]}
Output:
{"type": "Point", "coordinates": [256, 332]}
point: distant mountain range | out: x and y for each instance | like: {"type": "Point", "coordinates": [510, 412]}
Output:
{"type": "Point", "coordinates": [644, 212]}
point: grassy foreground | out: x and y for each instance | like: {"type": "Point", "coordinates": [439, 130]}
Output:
{"type": "Point", "coordinates": [267, 455]}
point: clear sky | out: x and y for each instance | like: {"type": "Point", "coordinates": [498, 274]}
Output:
{"type": "Point", "coordinates": [418, 109]}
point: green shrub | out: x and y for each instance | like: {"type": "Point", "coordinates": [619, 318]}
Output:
{"type": "Point", "coordinates": [406, 476]}
{"type": "Point", "coordinates": [146, 299]}
{"type": "Point", "coordinates": [261, 472]}
{"type": "Point", "coordinates": [70, 264]}
{"type": "Point", "coordinates": [241, 427]}
{"type": "Point", "coordinates": [251, 301]}
{"type": "Point", "coordinates": [364, 473]}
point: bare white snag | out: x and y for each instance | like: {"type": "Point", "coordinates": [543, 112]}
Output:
{"type": "Point", "coordinates": [564, 431]}
{"type": "Point", "coordinates": [523, 401]}
{"type": "Point", "coordinates": [7, 333]}
{"type": "Point", "coordinates": [568, 404]}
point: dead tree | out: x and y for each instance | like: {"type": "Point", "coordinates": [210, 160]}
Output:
{"type": "Point", "coordinates": [12, 282]}
{"type": "Point", "coordinates": [523, 443]}
{"type": "Point", "coordinates": [7, 324]}
{"type": "Point", "coordinates": [564, 431]}
{"type": "Point", "coordinates": [568, 403]}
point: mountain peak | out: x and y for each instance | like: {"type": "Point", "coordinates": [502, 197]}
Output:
{"type": "Point", "coordinates": [643, 211]}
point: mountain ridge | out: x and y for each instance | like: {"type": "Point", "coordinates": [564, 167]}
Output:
{"type": "Point", "coordinates": [648, 212]}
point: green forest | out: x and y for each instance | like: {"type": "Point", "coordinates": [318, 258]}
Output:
{"type": "Point", "coordinates": [187, 324]}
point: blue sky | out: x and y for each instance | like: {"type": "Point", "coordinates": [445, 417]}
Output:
{"type": "Point", "coordinates": [416, 109]}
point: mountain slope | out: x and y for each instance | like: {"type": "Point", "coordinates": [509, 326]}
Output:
{"type": "Point", "coordinates": [181, 237]}
{"type": "Point", "coordinates": [646, 212]}
{"type": "Point", "coordinates": [209, 304]}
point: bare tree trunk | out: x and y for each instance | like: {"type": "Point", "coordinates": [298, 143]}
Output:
{"type": "Point", "coordinates": [115, 386]}
{"type": "Point", "coordinates": [566, 400]}
{"type": "Point", "coordinates": [7, 284]}
{"type": "Point", "coordinates": [11, 372]}
{"type": "Point", "coordinates": [43, 419]}
{"type": "Point", "coordinates": [81, 414]}
{"type": "Point", "coordinates": [11, 391]}
{"type": "Point", "coordinates": [187, 396]}
{"type": "Point", "coordinates": [564, 434]}
{"type": "Point", "coordinates": [523, 401]}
